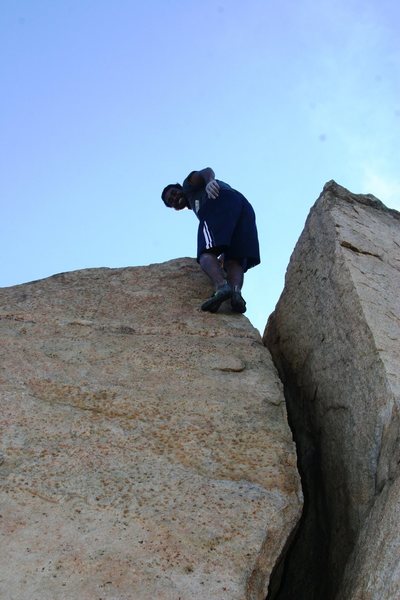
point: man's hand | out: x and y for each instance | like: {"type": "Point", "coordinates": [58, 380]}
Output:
{"type": "Point", "coordinates": [212, 189]}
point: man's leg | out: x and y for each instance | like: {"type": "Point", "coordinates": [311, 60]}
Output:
{"type": "Point", "coordinates": [212, 267]}
{"type": "Point", "coordinates": [234, 273]}
{"type": "Point", "coordinates": [235, 276]}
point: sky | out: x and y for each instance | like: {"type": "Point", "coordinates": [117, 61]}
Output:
{"type": "Point", "coordinates": [104, 103]}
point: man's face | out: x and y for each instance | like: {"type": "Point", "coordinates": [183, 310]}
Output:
{"type": "Point", "coordinates": [175, 198]}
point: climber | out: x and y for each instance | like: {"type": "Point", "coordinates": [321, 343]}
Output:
{"type": "Point", "coordinates": [227, 240]}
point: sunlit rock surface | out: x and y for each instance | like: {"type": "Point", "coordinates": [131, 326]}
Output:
{"type": "Point", "coordinates": [145, 451]}
{"type": "Point", "coordinates": [335, 335]}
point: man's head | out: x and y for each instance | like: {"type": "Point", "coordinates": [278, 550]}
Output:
{"type": "Point", "coordinates": [173, 196]}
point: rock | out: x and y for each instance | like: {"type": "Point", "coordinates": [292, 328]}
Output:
{"type": "Point", "coordinates": [146, 451]}
{"type": "Point", "coordinates": [335, 337]}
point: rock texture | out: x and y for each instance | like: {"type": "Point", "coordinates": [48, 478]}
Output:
{"type": "Point", "coordinates": [335, 337]}
{"type": "Point", "coordinates": [145, 451]}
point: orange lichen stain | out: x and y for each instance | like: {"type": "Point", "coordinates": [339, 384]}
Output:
{"type": "Point", "coordinates": [100, 401]}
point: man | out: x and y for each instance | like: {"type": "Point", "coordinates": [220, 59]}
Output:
{"type": "Point", "coordinates": [227, 227]}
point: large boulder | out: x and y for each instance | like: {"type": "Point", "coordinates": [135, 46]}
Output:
{"type": "Point", "coordinates": [145, 448]}
{"type": "Point", "coordinates": [335, 338]}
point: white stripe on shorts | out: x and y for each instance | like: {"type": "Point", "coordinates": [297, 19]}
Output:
{"type": "Point", "coordinates": [207, 236]}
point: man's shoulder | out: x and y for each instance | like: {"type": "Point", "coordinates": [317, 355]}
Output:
{"type": "Point", "coordinates": [189, 185]}
{"type": "Point", "coordinates": [223, 185]}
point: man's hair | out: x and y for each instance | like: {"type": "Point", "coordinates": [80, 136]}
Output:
{"type": "Point", "coordinates": [168, 187]}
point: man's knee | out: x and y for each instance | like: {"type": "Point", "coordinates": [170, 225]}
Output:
{"type": "Point", "coordinates": [215, 251]}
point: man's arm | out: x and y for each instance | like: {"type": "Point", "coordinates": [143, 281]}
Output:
{"type": "Point", "coordinates": [206, 178]}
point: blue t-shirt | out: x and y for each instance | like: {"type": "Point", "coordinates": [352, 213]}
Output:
{"type": "Point", "coordinates": [196, 195]}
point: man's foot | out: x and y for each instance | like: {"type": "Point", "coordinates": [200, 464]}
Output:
{"type": "Point", "coordinates": [238, 303]}
{"type": "Point", "coordinates": [212, 304]}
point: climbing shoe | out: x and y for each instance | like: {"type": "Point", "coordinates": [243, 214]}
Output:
{"type": "Point", "coordinates": [212, 304]}
{"type": "Point", "coordinates": [238, 303]}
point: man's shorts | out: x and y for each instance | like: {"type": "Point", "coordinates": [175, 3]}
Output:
{"type": "Point", "coordinates": [228, 223]}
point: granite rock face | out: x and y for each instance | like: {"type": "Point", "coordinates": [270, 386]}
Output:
{"type": "Point", "coordinates": [335, 337]}
{"type": "Point", "coordinates": [145, 450]}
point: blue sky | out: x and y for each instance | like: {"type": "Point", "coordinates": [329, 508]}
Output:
{"type": "Point", "coordinates": [104, 103]}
